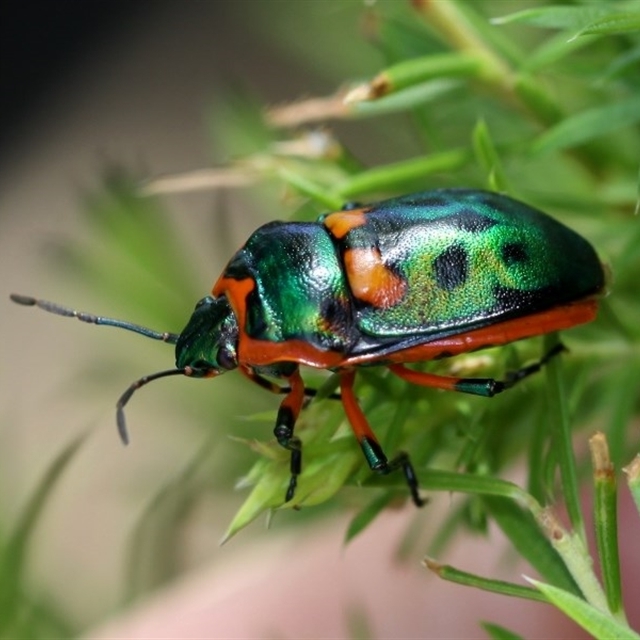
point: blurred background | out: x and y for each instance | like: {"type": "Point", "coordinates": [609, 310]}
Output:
{"type": "Point", "coordinates": [86, 88]}
{"type": "Point", "coordinates": [126, 544]}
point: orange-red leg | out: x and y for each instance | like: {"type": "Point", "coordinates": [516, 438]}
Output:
{"type": "Point", "coordinates": [285, 422]}
{"type": "Point", "coordinates": [288, 413]}
{"type": "Point", "coordinates": [373, 453]}
{"type": "Point", "coordinates": [486, 387]}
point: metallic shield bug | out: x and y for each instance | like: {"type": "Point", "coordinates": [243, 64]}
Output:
{"type": "Point", "coordinates": [410, 279]}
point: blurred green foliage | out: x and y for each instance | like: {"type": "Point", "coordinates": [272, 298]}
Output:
{"type": "Point", "coordinates": [544, 104]}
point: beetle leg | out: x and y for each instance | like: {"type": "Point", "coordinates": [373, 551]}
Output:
{"type": "Point", "coordinates": [373, 453]}
{"type": "Point", "coordinates": [273, 387]}
{"type": "Point", "coordinates": [285, 422]}
{"type": "Point", "coordinates": [487, 387]}
{"type": "Point", "coordinates": [261, 381]}
{"type": "Point", "coordinates": [512, 377]}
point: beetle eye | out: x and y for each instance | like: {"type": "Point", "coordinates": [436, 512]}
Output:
{"type": "Point", "coordinates": [226, 359]}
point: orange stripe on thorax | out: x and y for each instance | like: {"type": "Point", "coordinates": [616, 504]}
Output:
{"type": "Point", "coordinates": [257, 353]}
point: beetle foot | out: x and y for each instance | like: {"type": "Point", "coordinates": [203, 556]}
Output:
{"type": "Point", "coordinates": [291, 489]}
{"type": "Point", "coordinates": [513, 377]}
{"type": "Point", "coordinates": [379, 464]}
{"type": "Point", "coordinates": [402, 461]}
{"type": "Point", "coordinates": [294, 445]}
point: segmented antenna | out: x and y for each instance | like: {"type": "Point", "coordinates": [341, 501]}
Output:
{"type": "Point", "coordinates": [83, 316]}
{"type": "Point", "coordinates": [126, 396]}
{"type": "Point", "coordinates": [171, 338]}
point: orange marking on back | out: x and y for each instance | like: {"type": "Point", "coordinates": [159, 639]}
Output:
{"type": "Point", "coordinates": [341, 222]}
{"type": "Point", "coordinates": [252, 352]}
{"type": "Point", "coordinates": [370, 280]}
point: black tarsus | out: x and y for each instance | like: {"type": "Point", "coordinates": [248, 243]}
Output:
{"type": "Point", "coordinates": [513, 377]}
{"type": "Point", "coordinates": [283, 432]}
{"type": "Point", "coordinates": [378, 462]}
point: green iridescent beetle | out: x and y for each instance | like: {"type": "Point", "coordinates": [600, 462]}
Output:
{"type": "Point", "coordinates": [415, 278]}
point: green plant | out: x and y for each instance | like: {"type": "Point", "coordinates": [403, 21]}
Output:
{"type": "Point", "coordinates": [556, 126]}
{"type": "Point", "coordinates": [543, 104]}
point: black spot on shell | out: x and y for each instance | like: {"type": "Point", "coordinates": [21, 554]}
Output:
{"type": "Point", "coordinates": [237, 267]}
{"type": "Point", "coordinates": [337, 316]}
{"type": "Point", "coordinates": [469, 220]}
{"type": "Point", "coordinates": [256, 325]}
{"type": "Point", "coordinates": [514, 253]}
{"type": "Point", "coordinates": [422, 200]}
{"type": "Point", "coordinates": [361, 237]}
{"type": "Point", "coordinates": [518, 302]}
{"type": "Point", "coordinates": [451, 267]}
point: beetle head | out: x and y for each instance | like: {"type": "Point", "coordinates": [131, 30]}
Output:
{"type": "Point", "coordinates": [208, 345]}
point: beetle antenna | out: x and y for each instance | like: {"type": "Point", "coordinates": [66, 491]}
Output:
{"type": "Point", "coordinates": [126, 396]}
{"type": "Point", "coordinates": [58, 309]}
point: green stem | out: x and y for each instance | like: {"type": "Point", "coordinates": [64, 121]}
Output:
{"type": "Point", "coordinates": [606, 522]}
{"type": "Point", "coordinates": [561, 433]}
{"type": "Point", "coordinates": [451, 574]}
